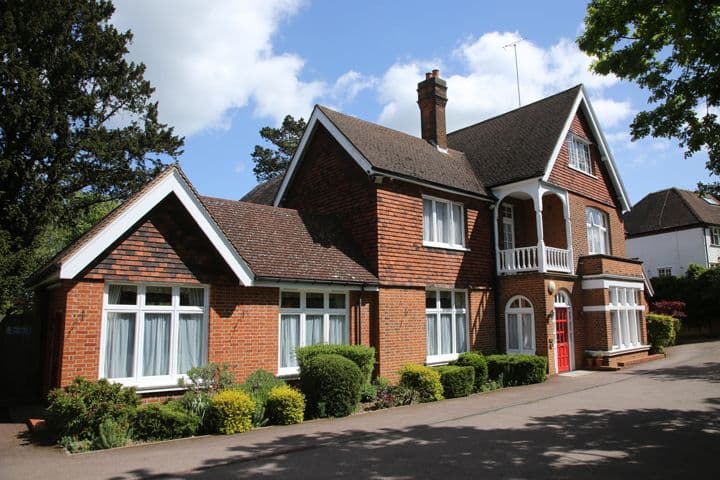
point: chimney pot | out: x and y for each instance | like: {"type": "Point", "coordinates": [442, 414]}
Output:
{"type": "Point", "coordinates": [436, 73]}
{"type": "Point", "coordinates": [432, 97]}
{"type": "Point", "coordinates": [428, 75]}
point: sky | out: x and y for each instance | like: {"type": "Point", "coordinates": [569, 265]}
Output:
{"type": "Point", "coordinates": [223, 69]}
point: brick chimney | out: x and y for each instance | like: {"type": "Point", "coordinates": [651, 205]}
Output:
{"type": "Point", "coordinates": [432, 97]}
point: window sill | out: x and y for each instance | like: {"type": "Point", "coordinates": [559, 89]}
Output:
{"type": "Point", "coordinates": [583, 172]}
{"type": "Point", "coordinates": [441, 359]}
{"type": "Point", "coordinates": [446, 246]}
{"type": "Point", "coordinates": [288, 372]}
{"type": "Point", "coordinates": [153, 385]}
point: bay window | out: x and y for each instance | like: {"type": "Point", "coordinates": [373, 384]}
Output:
{"type": "Point", "coordinates": [153, 334]}
{"type": "Point", "coordinates": [446, 317]}
{"type": "Point", "coordinates": [310, 318]}
{"type": "Point", "coordinates": [443, 223]}
{"type": "Point", "coordinates": [625, 313]}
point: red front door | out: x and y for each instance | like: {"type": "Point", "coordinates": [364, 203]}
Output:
{"type": "Point", "coordinates": [562, 339]}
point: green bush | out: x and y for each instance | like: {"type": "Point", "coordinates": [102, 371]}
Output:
{"type": "Point", "coordinates": [285, 405]}
{"type": "Point", "coordinates": [512, 370]}
{"type": "Point", "coordinates": [362, 356]}
{"type": "Point", "coordinates": [156, 421]}
{"type": "Point", "coordinates": [232, 411]}
{"type": "Point", "coordinates": [423, 380]}
{"type": "Point", "coordinates": [660, 331]}
{"type": "Point", "coordinates": [198, 404]}
{"type": "Point", "coordinates": [331, 384]}
{"type": "Point", "coordinates": [478, 362]}
{"type": "Point", "coordinates": [112, 434]}
{"type": "Point", "coordinates": [78, 410]}
{"type": "Point", "coordinates": [210, 378]}
{"type": "Point", "coordinates": [258, 385]}
{"type": "Point", "coordinates": [457, 381]}
{"type": "Point", "coordinates": [368, 393]}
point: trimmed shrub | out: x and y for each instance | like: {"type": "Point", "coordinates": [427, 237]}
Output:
{"type": "Point", "coordinates": [258, 385]}
{"type": "Point", "coordinates": [457, 381]}
{"type": "Point", "coordinates": [232, 411]}
{"type": "Point", "coordinates": [285, 405]}
{"type": "Point", "coordinates": [78, 410]}
{"type": "Point", "coordinates": [660, 331]}
{"type": "Point", "coordinates": [362, 356]}
{"type": "Point", "coordinates": [423, 380]}
{"type": "Point", "coordinates": [331, 384]}
{"type": "Point", "coordinates": [479, 363]}
{"type": "Point", "coordinates": [111, 434]}
{"type": "Point", "coordinates": [512, 370]}
{"type": "Point", "coordinates": [156, 421]}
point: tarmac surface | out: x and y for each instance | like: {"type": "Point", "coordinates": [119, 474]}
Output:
{"type": "Point", "coordinates": [657, 420]}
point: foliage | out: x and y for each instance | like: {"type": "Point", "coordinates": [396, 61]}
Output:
{"type": "Point", "coordinates": [364, 357]}
{"type": "Point", "coordinates": [156, 421]}
{"type": "Point", "coordinates": [285, 405]}
{"type": "Point", "coordinates": [77, 125]}
{"type": "Point", "coordinates": [389, 396]}
{"type": "Point", "coordinates": [423, 380]}
{"type": "Point", "coordinates": [670, 48]}
{"type": "Point", "coordinates": [79, 409]}
{"type": "Point", "coordinates": [273, 162]}
{"type": "Point", "coordinates": [210, 378]}
{"type": "Point", "coordinates": [674, 308]}
{"type": "Point", "coordinates": [660, 331]}
{"type": "Point", "coordinates": [699, 289]}
{"type": "Point", "coordinates": [331, 384]}
{"type": "Point", "coordinates": [258, 385]}
{"type": "Point", "coordinates": [198, 404]}
{"type": "Point", "coordinates": [232, 411]}
{"type": "Point", "coordinates": [478, 362]}
{"type": "Point", "coordinates": [368, 393]}
{"type": "Point", "coordinates": [112, 434]}
{"type": "Point", "coordinates": [512, 370]}
{"type": "Point", "coordinates": [457, 381]}
{"type": "Point", "coordinates": [74, 445]}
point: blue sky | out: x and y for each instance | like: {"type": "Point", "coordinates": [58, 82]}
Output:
{"type": "Point", "coordinates": [223, 69]}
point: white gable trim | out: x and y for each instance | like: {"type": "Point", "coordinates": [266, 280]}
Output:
{"type": "Point", "coordinates": [605, 154]}
{"type": "Point", "coordinates": [319, 117]}
{"type": "Point", "coordinates": [172, 183]}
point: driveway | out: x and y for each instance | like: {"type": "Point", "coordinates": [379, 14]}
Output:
{"type": "Point", "coordinates": [658, 420]}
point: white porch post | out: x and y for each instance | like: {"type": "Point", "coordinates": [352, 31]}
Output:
{"type": "Point", "coordinates": [568, 232]}
{"type": "Point", "coordinates": [497, 235]}
{"type": "Point", "coordinates": [537, 200]}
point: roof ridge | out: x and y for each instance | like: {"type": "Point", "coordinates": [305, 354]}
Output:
{"type": "Point", "coordinates": [689, 206]}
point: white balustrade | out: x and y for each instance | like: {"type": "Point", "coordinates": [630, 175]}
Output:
{"type": "Point", "coordinates": [525, 259]}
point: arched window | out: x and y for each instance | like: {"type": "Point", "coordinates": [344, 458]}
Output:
{"type": "Point", "coordinates": [562, 299]}
{"type": "Point", "coordinates": [520, 325]}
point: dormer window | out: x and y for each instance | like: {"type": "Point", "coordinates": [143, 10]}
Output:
{"type": "Point", "coordinates": [579, 153]}
{"type": "Point", "coordinates": [443, 223]}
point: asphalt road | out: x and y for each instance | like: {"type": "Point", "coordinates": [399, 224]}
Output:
{"type": "Point", "coordinates": [658, 420]}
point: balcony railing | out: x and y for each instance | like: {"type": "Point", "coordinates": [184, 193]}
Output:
{"type": "Point", "coordinates": [526, 259]}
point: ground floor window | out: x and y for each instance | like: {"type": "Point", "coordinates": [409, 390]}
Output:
{"type": "Point", "coordinates": [309, 318]}
{"type": "Point", "coordinates": [153, 334]}
{"type": "Point", "coordinates": [446, 317]}
{"type": "Point", "coordinates": [625, 314]}
{"type": "Point", "coordinates": [520, 326]}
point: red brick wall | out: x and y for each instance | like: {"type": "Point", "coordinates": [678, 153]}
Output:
{"type": "Point", "coordinates": [616, 234]}
{"type": "Point", "coordinates": [401, 336]}
{"type": "Point", "coordinates": [329, 182]}
{"type": "Point", "coordinates": [554, 229]}
{"type": "Point", "coordinates": [597, 264]}
{"type": "Point", "coordinates": [482, 316]}
{"type": "Point", "coordinates": [531, 286]}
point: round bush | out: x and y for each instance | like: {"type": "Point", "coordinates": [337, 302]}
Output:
{"type": "Point", "coordinates": [155, 421]}
{"type": "Point", "coordinates": [233, 411]}
{"type": "Point", "coordinates": [660, 331]}
{"type": "Point", "coordinates": [331, 384]}
{"type": "Point", "coordinates": [423, 380]}
{"type": "Point", "coordinates": [457, 381]}
{"type": "Point", "coordinates": [478, 362]}
{"type": "Point", "coordinates": [285, 405]}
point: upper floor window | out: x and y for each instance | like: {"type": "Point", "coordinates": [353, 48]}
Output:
{"type": "Point", "coordinates": [715, 236]}
{"type": "Point", "coordinates": [508, 227]}
{"type": "Point", "coordinates": [579, 153]}
{"type": "Point", "coordinates": [443, 223]}
{"type": "Point", "coordinates": [664, 271]}
{"type": "Point", "coordinates": [597, 231]}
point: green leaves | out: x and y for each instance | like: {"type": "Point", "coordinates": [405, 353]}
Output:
{"type": "Point", "coordinates": [271, 162]}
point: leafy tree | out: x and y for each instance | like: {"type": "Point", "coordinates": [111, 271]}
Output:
{"type": "Point", "coordinates": [272, 162]}
{"type": "Point", "coordinates": [77, 124]}
{"type": "Point", "coordinates": [671, 48]}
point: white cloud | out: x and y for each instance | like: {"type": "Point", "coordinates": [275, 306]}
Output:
{"type": "Point", "coordinates": [611, 112]}
{"type": "Point", "coordinates": [349, 85]}
{"type": "Point", "coordinates": [488, 85]}
{"type": "Point", "coordinates": [205, 58]}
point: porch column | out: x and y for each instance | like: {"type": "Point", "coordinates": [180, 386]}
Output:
{"type": "Point", "coordinates": [537, 200]}
{"type": "Point", "coordinates": [568, 235]}
{"type": "Point", "coordinates": [497, 235]}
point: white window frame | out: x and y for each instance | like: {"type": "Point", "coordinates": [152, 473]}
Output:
{"type": "Point", "coordinates": [453, 311]}
{"type": "Point", "coordinates": [625, 315]}
{"type": "Point", "coordinates": [519, 312]}
{"type": "Point", "coordinates": [303, 311]}
{"type": "Point", "coordinates": [602, 230]}
{"type": "Point", "coordinates": [453, 243]}
{"type": "Point", "coordinates": [715, 236]}
{"type": "Point", "coordinates": [579, 154]}
{"type": "Point", "coordinates": [664, 271]}
{"type": "Point", "coordinates": [139, 309]}
{"type": "Point", "coordinates": [508, 225]}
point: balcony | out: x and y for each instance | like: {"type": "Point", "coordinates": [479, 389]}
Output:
{"type": "Point", "coordinates": [526, 259]}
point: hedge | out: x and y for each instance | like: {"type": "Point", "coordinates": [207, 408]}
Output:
{"type": "Point", "coordinates": [512, 370]}
{"type": "Point", "coordinates": [362, 356]}
{"type": "Point", "coordinates": [457, 381]}
{"type": "Point", "coordinates": [660, 331]}
{"type": "Point", "coordinates": [155, 421]}
{"type": "Point", "coordinates": [331, 384]}
{"type": "Point", "coordinates": [479, 363]}
{"type": "Point", "coordinates": [423, 380]}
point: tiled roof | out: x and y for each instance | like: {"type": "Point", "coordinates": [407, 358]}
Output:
{"type": "Point", "coordinates": [669, 209]}
{"type": "Point", "coordinates": [263, 193]}
{"type": "Point", "coordinates": [515, 145]}
{"type": "Point", "coordinates": [395, 152]}
{"type": "Point", "coordinates": [281, 243]}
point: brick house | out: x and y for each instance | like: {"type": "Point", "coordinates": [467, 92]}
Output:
{"type": "Point", "coordinates": [504, 236]}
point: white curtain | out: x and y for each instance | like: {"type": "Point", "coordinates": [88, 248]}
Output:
{"type": "Point", "coordinates": [156, 344]}
{"type": "Point", "coordinates": [427, 221]}
{"type": "Point", "coordinates": [313, 329]}
{"type": "Point", "coordinates": [289, 339]}
{"type": "Point", "coordinates": [339, 329]}
{"type": "Point", "coordinates": [460, 333]}
{"type": "Point", "coordinates": [513, 337]}
{"type": "Point", "coordinates": [119, 345]}
{"type": "Point", "coordinates": [614, 316]}
{"type": "Point", "coordinates": [457, 225]}
{"type": "Point", "coordinates": [441, 215]}
{"type": "Point", "coordinates": [445, 333]}
{"type": "Point", "coordinates": [192, 297]}
{"type": "Point", "coordinates": [527, 331]}
{"type": "Point", "coordinates": [431, 335]}
{"type": "Point", "coordinates": [190, 341]}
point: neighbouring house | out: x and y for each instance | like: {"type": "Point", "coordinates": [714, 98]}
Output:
{"type": "Point", "coordinates": [504, 236]}
{"type": "Point", "coordinates": [670, 229]}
